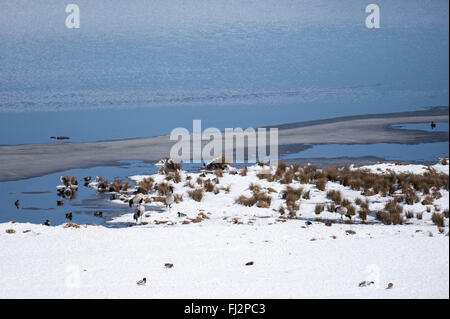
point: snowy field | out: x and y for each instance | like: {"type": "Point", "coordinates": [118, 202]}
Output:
{"type": "Point", "coordinates": [298, 252]}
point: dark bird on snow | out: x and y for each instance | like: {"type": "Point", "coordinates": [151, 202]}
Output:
{"type": "Point", "coordinates": [181, 214]}
{"type": "Point", "coordinates": [69, 216]}
{"type": "Point", "coordinates": [98, 214]}
{"type": "Point", "coordinates": [47, 223]}
{"type": "Point", "coordinates": [137, 199]}
{"type": "Point", "coordinates": [142, 282]}
{"type": "Point", "coordinates": [17, 203]}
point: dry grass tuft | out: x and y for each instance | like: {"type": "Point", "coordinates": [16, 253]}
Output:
{"type": "Point", "coordinates": [196, 194]}
{"type": "Point", "coordinates": [319, 209]}
{"type": "Point", "coordinates": [163, 188]}
{"type": "Point", "coordinates": [244, 171]}
{"type": "Point", "coordinates": [145, 185]}
{"type": "Point", "coordinates": [438, 219]}
{"type": "Point", "coordinates": [335, 196]}
{"type": "Point", "coordinates": [10, 231]}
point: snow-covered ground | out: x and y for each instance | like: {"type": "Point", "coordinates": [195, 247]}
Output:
{"type": "Point", "coordinates": [293, 257]}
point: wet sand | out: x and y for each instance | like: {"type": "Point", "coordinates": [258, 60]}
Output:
{"type": "Point", "coordinates": [32, 160]}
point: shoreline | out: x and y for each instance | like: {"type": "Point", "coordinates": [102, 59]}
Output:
{"type": "Point", "coordinates": [33, 160]}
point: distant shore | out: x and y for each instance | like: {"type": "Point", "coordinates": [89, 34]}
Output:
{"type": "Point", "coordinates": [33, 160]}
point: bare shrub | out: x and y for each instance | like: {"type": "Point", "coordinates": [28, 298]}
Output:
{"type": "Point", "coordinates": [208, 186]}
{"type": "Point", "coordinates": [409, 214]}
{"type": "Point", "coordinates": [319, 209]}
{"type": "Point", "coordinates": [321, 183]}
{"type": "Point", "coordinates": [219, 172]}
{"type": "Point", "coordinates": [335, 196]}
{"type": "Point", "coordinates": [438, 219]}
{"type": "Point", "coordinates": [244, 171]}
{"type": "Point", "coordinates": [307, 195]}
{"type": "Point", "coordinates": [196, 194]}
{"type": "Point", "coordinates": [145, 185]}
{"type": "Point", "coordinates": [419, 215]}
{"type": "Point", "coordinates": [163, 188]}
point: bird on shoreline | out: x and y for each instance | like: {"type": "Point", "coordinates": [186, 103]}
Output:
{"type": "Point", "coordinates": [47, 223]}
{"type": "Point", "coordinates": [170, 198]}
{"type": "Point", "coordinates": [137, 199]}
{"type": "Point", "coordinates": [17, 203]}
{"type": "Point", "coordinates": [341, 210]}
{"type": "Point", "coordinates": [139, 213]}
{"type": "Point", "coordinates": [69, 216]}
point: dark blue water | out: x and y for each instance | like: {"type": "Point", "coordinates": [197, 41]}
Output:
{"type": "Point", "coordinates": [143, 68]}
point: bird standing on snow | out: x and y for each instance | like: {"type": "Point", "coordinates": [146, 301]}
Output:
{"type": "Point", "coordinates": [137, 199]}
{"type": "Point", "coordinates": [170, 198]}
{"type": "Point", "coordinates": [17, 203]}
{"type": "Point", "coordinates": [341, 210]}
{"type": "Point", "coordinates": [142, 282]}
{"type": "Point", "coordinates": [139, 213]}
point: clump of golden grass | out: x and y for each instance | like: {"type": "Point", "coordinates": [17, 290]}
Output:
{"type": "Point", "coordinates": [163, 188]}
{"type": "Point", "coordinates": [271, 190]}
{"type": "Point", "coordinates": [118, 185]}
{"type": "Point", "coordinates": [350, 232]}
{"type": "Point", "coordinates": [196, 194]}
{"type": "Point", "coordinates": [419, 215]}
{"type": "Point", "coordinates": [393, 208]}
{"type": "Point", "coordinates": [306, 195]}
{"type": "Point", "coordinates": [444, 161]}
{"type": "Point", "coordinates": [319, 209]}
{"type": "Point", "coordinates": [363, 213]}
{"type": "Point", "coordinates": [177, 198]}
{"type": "Point", "coordinates": [358, 201]}
{"type": "Point", "coordinates": [145, 185]}
{"type": "Point", "coordinates": [219, 172]}
{"type": "Point", "coordinates": [208, 186]}
{"type": "Point", "coordinates": [331, 207]}
{"type": "Point", "coordinates": [261, 200]}
{"type": "Point", "coordinates": [335, 196]}
{"type": "Point", "coordinates": [409, 214]}
{"type": "Point", "coordinates": [321, 183]}
{"type": "Point", "coordinates": [199, 181]}
{"type": "Point", "coordinates": [244, 171]}
{"type": "Point", "coordinates": [438, 219]}
{"type": "Point", "coordinates": [10, 231]}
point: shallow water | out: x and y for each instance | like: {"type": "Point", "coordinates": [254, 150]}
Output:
{"type": "Point", "coordinates": [420, 153]}
{"type": "Point", "coordinates": [440, 127]}
{"type": "Point", "coordinates": [229, 64]}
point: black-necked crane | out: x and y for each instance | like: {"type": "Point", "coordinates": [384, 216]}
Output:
{"type": "Point", "coordinates": [139, 213]}
{"type": "Point", "coordinates": [137, 199]}
{"type": "Point", "coordinates": [341, 210]}
{"type": "Point", "coordinates": [170, 198]}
